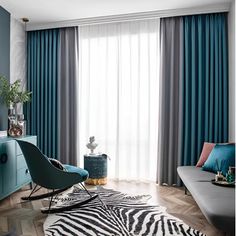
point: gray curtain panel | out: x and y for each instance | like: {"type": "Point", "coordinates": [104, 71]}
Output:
{"type": "Point", "coordinates": [169, 145]}
{"type": "Point", "coordinates": [68, 72]}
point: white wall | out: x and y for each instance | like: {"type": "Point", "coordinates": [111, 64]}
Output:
{"type": "Point", "coordinates": [17, 53]}
{"type": "Point", "coordinates": [232, 103]}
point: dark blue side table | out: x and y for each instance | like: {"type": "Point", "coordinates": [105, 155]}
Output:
{"type": "Point", "coordinates": [96, 165]}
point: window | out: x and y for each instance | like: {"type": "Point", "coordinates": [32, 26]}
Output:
{"type": "Point", "coordinates": [118, 95]}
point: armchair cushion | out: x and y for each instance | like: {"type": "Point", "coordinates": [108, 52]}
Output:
{"type": "Point", "coordinates": [57, 164]}
{"type": "Point", "coordinates": [72, 169]}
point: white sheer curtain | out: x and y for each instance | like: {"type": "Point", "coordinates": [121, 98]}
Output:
{"type": "Point", "coordinates": [118, 95]}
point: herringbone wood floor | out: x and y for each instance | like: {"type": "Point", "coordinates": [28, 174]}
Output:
{"type": "Point", "coordinates": [26, 218]}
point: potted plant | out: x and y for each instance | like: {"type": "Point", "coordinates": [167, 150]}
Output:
{"type": "Point", "coordinates": [12, 95]}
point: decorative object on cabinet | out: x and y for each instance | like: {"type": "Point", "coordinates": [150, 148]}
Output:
{"type": "Point", "coordinates": [15, 131]}
{"type": "Point", "coordinates": [12, 95]}
{"type": "Point", "coordinates": [3, 133]}
{"type": "Point", "coordinates": [52, 178]}
{"type": "Point", "coordinates": [14, 173]}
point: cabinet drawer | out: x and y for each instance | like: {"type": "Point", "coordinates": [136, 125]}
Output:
{"type": "Point", "coordinates": [14, 173]}
{"type": "Point", "coordinates": [8, 167]}
{"type": "Point", "coordinates": [20, 162]}
{"type": "Point", "coordinates": [23, 176]}
{"type": "Point", "coordinates": [30, 140]}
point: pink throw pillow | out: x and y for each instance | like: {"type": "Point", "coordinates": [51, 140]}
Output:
{"type": "Point", "coordinates": [206, 150]}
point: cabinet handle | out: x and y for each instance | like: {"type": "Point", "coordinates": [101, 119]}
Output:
{"type": "Point", "coordinates": [3, 158]}
{"type": "Point", "coordinates": [26, 171]}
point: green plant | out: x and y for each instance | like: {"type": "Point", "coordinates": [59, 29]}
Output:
{"type": "Point", "coordinates": [12, 94]}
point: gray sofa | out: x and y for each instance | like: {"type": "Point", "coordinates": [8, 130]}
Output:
{"type": "Point", "coordinates": [216, 203]}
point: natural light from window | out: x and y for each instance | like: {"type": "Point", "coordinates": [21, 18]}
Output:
{"type": "Point", "coordinates": [119, 95]}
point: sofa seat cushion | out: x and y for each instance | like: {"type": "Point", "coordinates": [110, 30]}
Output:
{"type": "Point", "coordinates": [216, 202]}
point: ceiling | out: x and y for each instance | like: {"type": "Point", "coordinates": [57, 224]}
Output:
{"type": "Point", "coordinates": [45, 11]}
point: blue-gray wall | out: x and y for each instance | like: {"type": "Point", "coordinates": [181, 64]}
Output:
{"type": "Point", "coordinates": [4, 58]}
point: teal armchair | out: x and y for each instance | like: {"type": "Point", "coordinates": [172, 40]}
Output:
{"type": "Point", "coordinates": [45, 174]}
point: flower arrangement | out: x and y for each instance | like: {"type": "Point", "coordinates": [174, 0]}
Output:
{"type": "Point", "coordinates": [12, 94]}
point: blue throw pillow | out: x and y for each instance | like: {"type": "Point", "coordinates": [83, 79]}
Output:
{"type": "Point", "coordinates": [221, 157]}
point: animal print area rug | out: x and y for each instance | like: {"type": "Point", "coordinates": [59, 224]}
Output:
{"type": "Point", "coordinates": [125, 216]}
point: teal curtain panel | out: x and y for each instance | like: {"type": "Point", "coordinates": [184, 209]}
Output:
{"type": "Point", "coordinates": [42, 79]}
{"type": "Point", "coordinates": [52, 77]}
{"type": "Point", "coordinates": [205, 83]}
{"type": "Point", "coordinates": [194, 90]}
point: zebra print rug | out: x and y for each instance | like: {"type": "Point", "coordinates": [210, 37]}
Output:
{"type": "Point", "coordinates": [124, 215]}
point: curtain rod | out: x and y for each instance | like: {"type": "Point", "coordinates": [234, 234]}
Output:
{"type": "Point", "coordinates": [213, 8]}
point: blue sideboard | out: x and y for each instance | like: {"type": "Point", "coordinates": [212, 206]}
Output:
{"type": "Point", "coordinates": [14, 172]}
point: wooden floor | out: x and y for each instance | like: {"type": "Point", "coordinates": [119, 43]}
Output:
{"type": "Point", "coordinates": [26, 218]}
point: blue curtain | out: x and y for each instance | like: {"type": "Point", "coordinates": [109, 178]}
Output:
{"type": "Point", "coordinates": [204, 83]}
{"type": "Point", "coordinates": [42, 80]}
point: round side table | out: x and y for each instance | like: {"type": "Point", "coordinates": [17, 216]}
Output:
{"type": "Point", "coordinates": [96, 165]}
